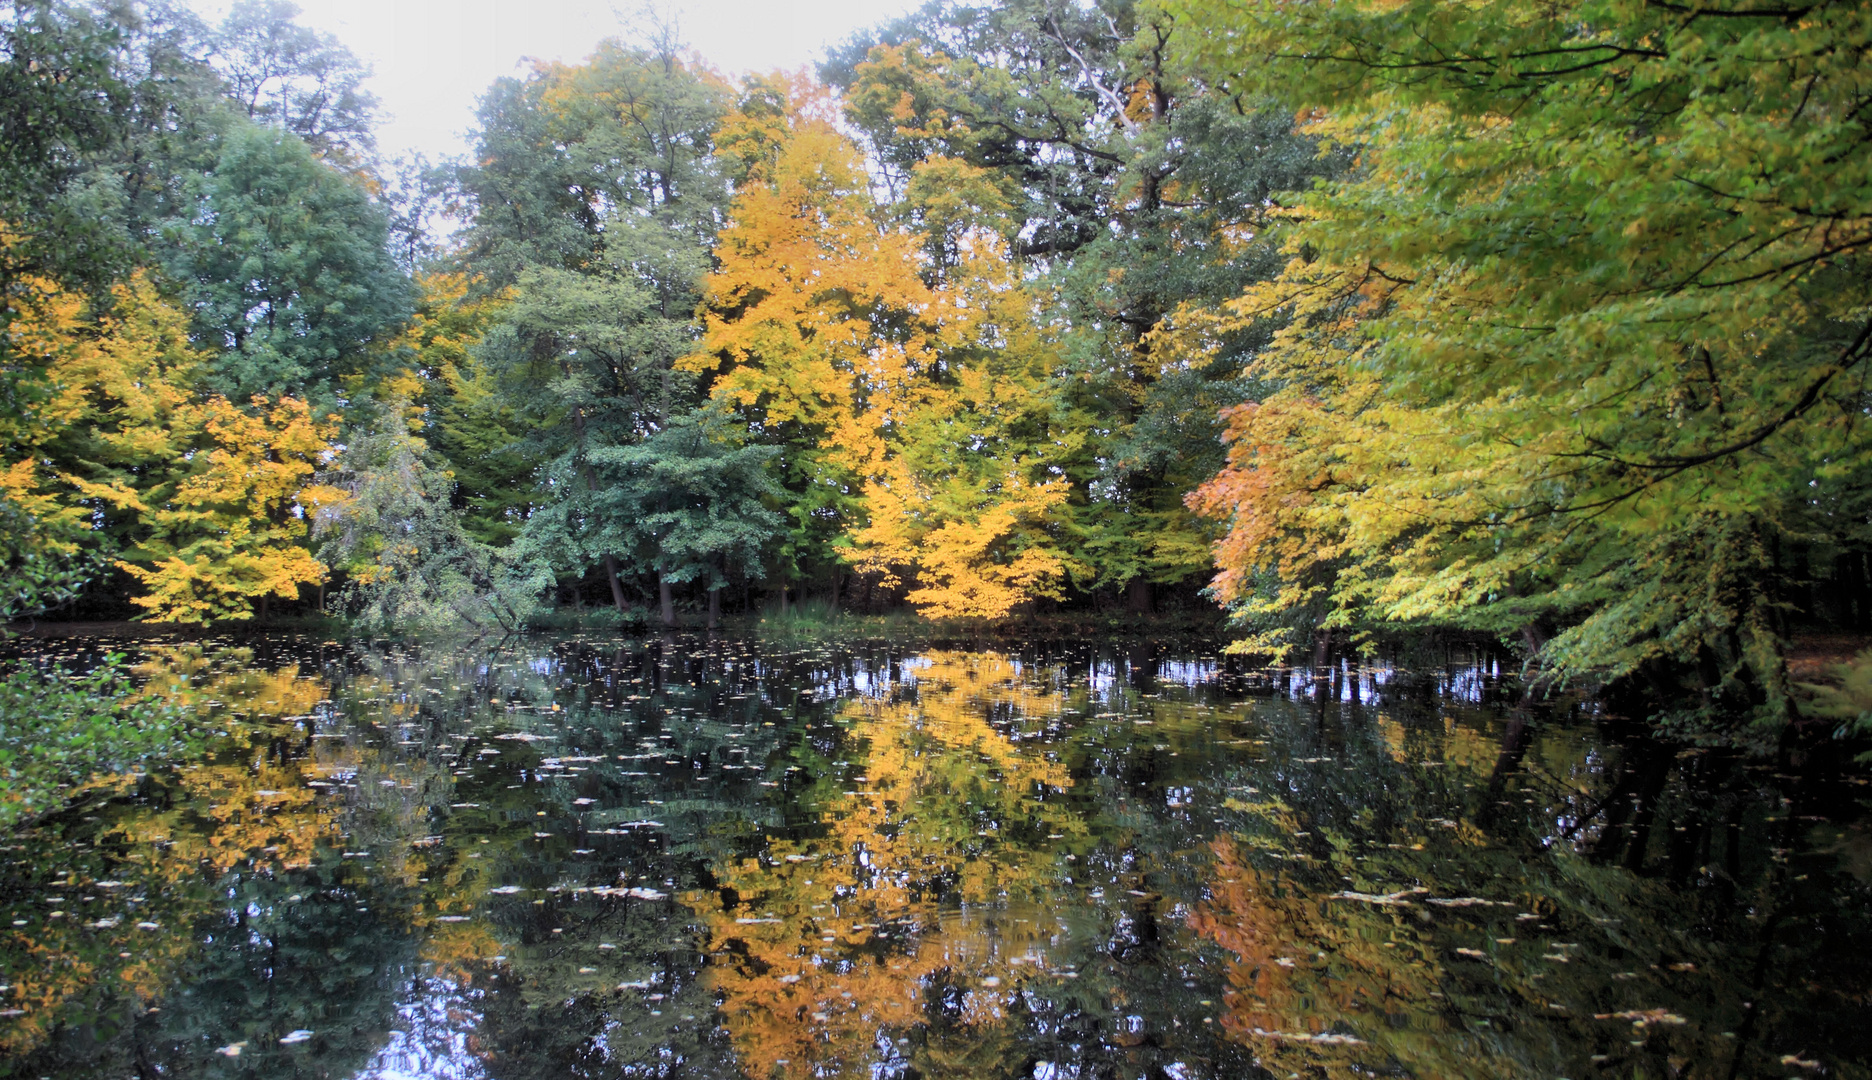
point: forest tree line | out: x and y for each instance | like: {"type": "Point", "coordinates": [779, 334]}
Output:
{"type": "Point", "coordinates": [1542, 322]}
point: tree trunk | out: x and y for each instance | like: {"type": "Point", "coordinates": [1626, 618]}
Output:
{"type": "Point", "coordinates": [664, 597]}
{"type": "Point", "coordinates": [617, 587]}
{"type": "Point", "coordinates": [1138, 596]}
{"type": "Point", "coordinates": [714, 608]}
{"type": "Point", "coordinates": [783, 599]}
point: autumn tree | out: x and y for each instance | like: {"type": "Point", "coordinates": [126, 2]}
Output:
{"type": "Point", "coordinates": [812, 322]}
{"type": "Point", "coordinates": [970, 495]}
{"type": "Point", "coordinates": [1572, 357]}
{"type": "Point", "coordinates": [1131, 183]}
{"type": "Point", "coordinates": [910, 398]}
{"type": "Point", "coordinates": [203, 503]}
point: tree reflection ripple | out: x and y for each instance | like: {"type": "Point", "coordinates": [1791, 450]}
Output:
{"type": "Point", "coordinates": [723, 857]}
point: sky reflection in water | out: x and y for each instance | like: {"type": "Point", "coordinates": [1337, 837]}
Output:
{"type": "Point", "coordinates": [601, 858]}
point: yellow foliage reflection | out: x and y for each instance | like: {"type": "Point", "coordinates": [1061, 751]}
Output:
{"type": "Point", "coordinates": [822, 943]}
{"type": "Point", "coordinates": [261, 809]}
{"type": "Point", "coordinates": [250, 810]}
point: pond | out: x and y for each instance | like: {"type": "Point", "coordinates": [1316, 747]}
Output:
{"type": "Point", "coordinates": [723, 857]}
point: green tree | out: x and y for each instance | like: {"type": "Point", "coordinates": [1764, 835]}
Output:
{"type": "Point", "coordinates": [410, 562]}
{"type": "Point", "coordinates": [690, 503]}
{"type": "Point", "coordinates": [62, 101]}
{"type": "Point", "coordinates": [471, 425]}
{"type": "Point", "coordinates": [285, 265]}
{"type": "Point", "coordinates": [596, 201]}
{"type": "Point", "coordinates": [1575, 354]}
{"type": "Point", "coordinates": [297, 79]}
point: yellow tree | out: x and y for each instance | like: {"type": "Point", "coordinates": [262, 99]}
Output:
{"type": "Point", "coordinates": [968, 495]}
{"type": "Point", "coordinates": [235, 531]}
{"type": "Point", "coordinates": [910, 388]}
{"type": "Point", "coordinates": [112, 410]}
{"type": "Point", "coordinates": [816, 322]}
{"type": "Point", "coordinates": [207, 504]}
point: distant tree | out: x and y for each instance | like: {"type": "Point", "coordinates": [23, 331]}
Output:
{"type": "Point", "coordinates": [689, 503]}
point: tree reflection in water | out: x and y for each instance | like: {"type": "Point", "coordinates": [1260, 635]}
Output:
{"type": "Point", "coordinates": [722, 858]}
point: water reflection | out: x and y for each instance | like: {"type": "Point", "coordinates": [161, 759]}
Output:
{"type": "Point", "coordinates": [716, 858]}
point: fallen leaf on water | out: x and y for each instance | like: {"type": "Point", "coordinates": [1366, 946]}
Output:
{"type": "Point", "coordinates": [1323, 1038]}
{"type": "Point", "coordinates": [1643, 1017]}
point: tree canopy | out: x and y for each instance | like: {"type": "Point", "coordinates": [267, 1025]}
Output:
{"type": "Point", "coordinates": [1363, 319]}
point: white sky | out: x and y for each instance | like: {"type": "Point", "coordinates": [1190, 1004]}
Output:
{"type": "Point", "coordinates": [434, 58]}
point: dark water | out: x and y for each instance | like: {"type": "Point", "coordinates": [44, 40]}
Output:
{"type": "Point", "coordinates": [602, 858]}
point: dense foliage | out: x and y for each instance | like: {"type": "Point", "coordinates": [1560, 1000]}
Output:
{"type": "Point", "coordinates": [60, 729]}
{"type": "Point", "coordinates": [1539, 323]}
{"type": "Point", "coordinates": [1576, 354]}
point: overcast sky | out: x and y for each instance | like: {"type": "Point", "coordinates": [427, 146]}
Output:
{"type": "Point", "coordinates": [433, 58]}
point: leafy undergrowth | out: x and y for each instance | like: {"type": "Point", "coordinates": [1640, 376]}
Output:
{"type": "Point", "coordinates": [1845, 698]}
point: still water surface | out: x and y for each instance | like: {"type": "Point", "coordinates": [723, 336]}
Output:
{"type": "Point", "coordinates": [593, 857]}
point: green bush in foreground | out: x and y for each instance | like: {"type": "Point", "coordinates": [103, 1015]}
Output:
{"type": "Point", "coordinates": [59, 729]}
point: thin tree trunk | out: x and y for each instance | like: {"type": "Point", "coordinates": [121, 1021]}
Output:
{"type": "Point", "coordinates": [714, 608]}
{"type": "Point", "coordinates": [591, 485]}
{"type": "Point", "coordinates": [617, 587]}
{"type": "Point", "coordinates": [664, 597]}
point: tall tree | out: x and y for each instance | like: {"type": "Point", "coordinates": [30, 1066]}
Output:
{"type": "Point", "coordinates": [1133, 183]}
{"type": "Point", "coordinates": [62, 101]}
{"type": "Point", "coordinates": [1578, 350]}
{"type": "Point", "coordinates": [286, 266]}
{"type": "Point", "coordinates": [596, 200]}
{"type": "Point", "coordinates": [817, 318]}
{"type": "Point", "coordinates": [296, 78]}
